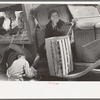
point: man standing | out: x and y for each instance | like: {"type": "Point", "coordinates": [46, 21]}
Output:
{"type": "Point", "coordinates": [20, 68]}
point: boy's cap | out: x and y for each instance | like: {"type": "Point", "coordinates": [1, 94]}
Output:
{"type": "Point", "coordinates": [19, 55]}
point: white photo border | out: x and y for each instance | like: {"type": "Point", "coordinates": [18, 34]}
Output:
{"type": "Point", "coordinates": [49, 90]}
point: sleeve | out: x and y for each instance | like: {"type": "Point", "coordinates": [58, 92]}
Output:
{"type": "Point", "coordinates": [46, 32]}
{"type": "Point", "coordinates": [28, 70]}
{"type": "Point", "coordinates": [10, 69]}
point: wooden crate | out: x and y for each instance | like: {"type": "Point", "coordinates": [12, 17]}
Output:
{"type": "Point", "coordinates": [59, 56]}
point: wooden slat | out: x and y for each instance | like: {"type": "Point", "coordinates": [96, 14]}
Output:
{"type": "Point", "coordinates": [50, 60]}
{"type": "Point", "coordinates": [82, 73]}
{"type": "Point", "coordinates": [80, 64]}
{"type": "Point", "coordinates": [83, 64]}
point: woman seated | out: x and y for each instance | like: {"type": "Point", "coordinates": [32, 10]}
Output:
{"type": "Point", "coordinates": [55, 27]}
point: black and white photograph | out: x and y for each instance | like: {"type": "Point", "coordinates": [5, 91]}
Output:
{"type": "Point", "coordinates": [49, 42]}
{"type": "Point", "coordinates": [49, 49]}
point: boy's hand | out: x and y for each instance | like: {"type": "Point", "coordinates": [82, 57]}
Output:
{"type": "Point", "coordinates": [34, 71]}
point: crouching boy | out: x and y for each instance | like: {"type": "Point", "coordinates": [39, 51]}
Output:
{"type": "Point", "coordinates": [20, 68]}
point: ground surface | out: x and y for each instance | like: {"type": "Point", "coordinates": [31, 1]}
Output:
{"type": "Point", "coordinates": [45, 76]}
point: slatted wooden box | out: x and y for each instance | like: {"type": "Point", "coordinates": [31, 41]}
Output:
{"type": "Point", "coordinates": [59, 56]}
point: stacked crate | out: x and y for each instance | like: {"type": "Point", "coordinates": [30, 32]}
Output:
{"type": "Point", "coordinates": [59, 56]}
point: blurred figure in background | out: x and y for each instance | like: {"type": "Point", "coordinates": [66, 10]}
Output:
{"type": "Point", "coordinates": [10, 14]}
{"type": "Point", "coordinates": [22, 24]}
{"type": "Point", "coordinates": [2, 30]}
